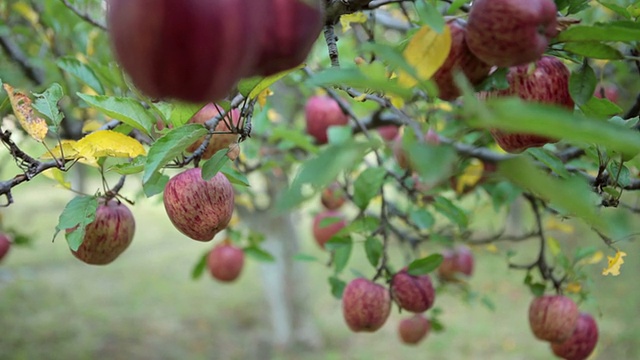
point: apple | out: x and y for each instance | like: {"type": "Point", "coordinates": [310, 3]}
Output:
{"type": "Point", "coordinates": [510, 32]}
{"type": "Point", "coordinates": [322, 234]}
{"type": "Point", "coordinates": [456, 261]}
{"type": "Point", "coordinates": [218, 141]}
{"type": "Point", "coordinates": [191, 50]}
{"type": "Point", "coordinates": [225, 262]}
{"type": "Point", "coordinates": [333, 196]}
{"type": "Point", "coordinates": [291, 29]}
{"type": "Point", "coordinates": [388, 132]}
{"type": "Point", "coordinates": [321, 112]}
{"type": "Point", "coordinates": [459, 59]}
{"type": "Point", "coordinates": [548, 83]}
{"type": "Point", "coordinates": [608, 91]}
{"type": "Point", "coordinates": [412, 293]}
{"type": "Point", "coordinates": [365, 305]}
{"type": "Point", "coordinates": [108, 236]}
{"type": "Point", "coordinates": [414, 329]}
{"type": "Point", "coordinates": [582, 341]}
{"type": "Point", "coordinates": [198, 208]}
{"type": "Point", "coordinates": [430, 137]}
{"type": "Point", "coordinates": [553, 317]}
{"type": "Point", "coordinates": [5, 245]}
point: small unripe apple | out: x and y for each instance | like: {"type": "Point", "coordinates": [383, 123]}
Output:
{"type": "Point", "coordinates": [510, 32]}
{"type": "Point", "coordinates": [218, 141]}
{"type": "Point", "coordinates": [225, 262]}
{"type": "Point", "coordinates": [582, 341]}
{"type": "Point", "coordinates": [414, 329]}
{"type": "Point", "coordinates": [108, 236]}
{"type": "Point", "coordinates": [198, 208]}
{"type": "Point", "coordinates": [553, 317]}
{"type": "Point", "coordinates": [365, 305]}
{"type": "Point", "coordinates": [548, 83]}
{"type": "Point", "coordinates": [321, 112]}
{"type": "Point", "coordinates": [321, 233]}
{"type": "Point", "coordinates": [333, 196]}
{"type": "Point", "coordinates": [413, 293]}
{"type": "Point", "coordinates": [459, 59]}
{"type": "Point", "coordinates": [5, 245]}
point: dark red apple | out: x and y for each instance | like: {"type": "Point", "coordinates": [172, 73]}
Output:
{"type": "Point", "coordinates": [388, 132]}
{"type": "Point", "coordinates": [464, 260]}
{"type": "Point", "coordinates": [321, 112]}
{"type": "Point", "coordinates": [365, 305]}
{"type": "Point", "coordinates": [582, 341]}
{"type": "Point", "coordinates": [414, 329]}
{"type": "Point", "coordinates": [553, 317]}
{"type": "Point", "coordinates": [609, 92]}
{"type": "Point", "coordinates": [448, 268]}
{"type": "Point", "coordinates": [510, 32]}
{"type": "Point", "coordinates": [413, 293]}
{"type": "Point", "coordinates": [459, 59]}
{"type": "Point", "coordinates": [218, 141]}
{"type": "Point", "coordinates": [333, 196]}
{"type": "Point", "coordinates": [291, 27]}
{"type": "Point", "coordinates": [108, 236]}
{"type": "Point", "coordinates": [5, 245]}
{"type": "Point", "coordinates": [322, 234]}
{"type": "Point", "coordinates": [548, 83]}
{"type": "Point", "coordinates": [192, 50]}
{"type": "Point", "coordinates": [198, 208]}
{"type": "Point", "coordinates": [225, 262]}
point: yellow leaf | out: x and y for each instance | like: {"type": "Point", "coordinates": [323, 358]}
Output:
{"type": "Point", "coordinates": [262, 97]}
{"type": "Point", "coordinates": [57, 175]}
{"type": "Point", "coordinates": [594, 259]}
{"type": "Point", "coordinates": [492, 248]}
{"type": "Point", "coordinates": [26, 11]}
{"type": "Point", "coordinates": [614, 264]}
{"type": "Point", "coordinates": [470, 176]}
{"type": "Point", "coordinates": [273, 115]}
{"type": "Point", "coordinates": [21, 104]}
{"type": "Point", "coordinates": [347, 20]}
{"type": "Point", "coordinates": [426, 52]}
{"type": "Point", "coordinates": [91, 39]}
{"type": "Point", "coordinates": [573, 287]}
{"type": "Point", "coordinates": [553, 223]}
{"type": "Point", "coordinates": [554, 246]}
{"type": "Point", "coordinates": [91, 126]}
{"type": "Point", "coordinates": [108, 143]}
{"type": "Point", "coordinates": [360, 98]}
{"type": "Point", "coordinates": [66, 148]}
{"type": "Point", "coordinates": [245, 201]}
{"type": "Point", "coordinates": [397, 101]}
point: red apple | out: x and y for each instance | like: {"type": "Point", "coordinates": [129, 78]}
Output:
{"type": "Point", "coordinates": [218, 141]}
{"type": "Point", "coordinates": [321, 112]}
{"type": "Point", "coordinates": [192, 50]}
{"type": "Point", "coordinates": [388, 132]}
{"type": "Point", "coordinates": [322, 234]}
{"type": "Point", "coordinates": [5, 245]}
{"type": "Point", "coordinates": [459, 59]}
{"type": "Point", "coordinates": [548, 83]}
{"type": "Point", "coordinates": [464, 260]}
{"type": "Point", "coordinates": [582, 341]}
{"type": "Point", "coordinates": [365, 305]}
{"type": "Point", "coordinates": [225, 262]}
{"type": "Point", "coordinates": [448, 269]}
{"type": "Point", "coordinates": [413, 293]}
{"type": "Point", "coordinates": [108, 236]}
{"type": "Point", "coordinates": [609, 92]}
{"type": "Point", "coordinates": [292, 26]}
{"type": "Point", "coordinates": [456, 261]}
{"type": "Point", "coordinates": [198, 208]}
{"type": "Point", "coordinates": [553, 317]}
{"type": "Point", "coordinates": [333, 196]}
{"type": "Point", "coordinates": [414, 329]}
{"type": "Point", "coordinates": [510, 32]}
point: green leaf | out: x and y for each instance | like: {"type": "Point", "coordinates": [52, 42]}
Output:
{"type": "Point", "coordinates": [127, 110]}
{"type": "Point", "coordinates": [584, 252]}
{"type": "Point", "coordinates": [422, 218]}
{"type": "Point", "coordinates": [304, 257]}
{"type": "Point", "coordinates": [447, 208]}
{"type": "Point", "coordinates": [537, 289]}
{"type": "Point", "coordinates": [594, 50]}
{"type": "Point", "coordinates": [252, 87]}
{"type": "Point", "coordinates": [234, 176]}
{"type": "Point", "coordinates": [432, 162]}
{"type": "Point", "coordinates": [582, 84]}
{"type": "Point", "coordinates": [155, 185]}
{"type": "Point", "coordinates": [425, 265]}
{"type": "Point", "coordinates": [429, 15]}
{"type": "Point", "coordinates": [133, 167]}
{"type": "Point", "coordinates": [619, 173]}
{"type": "Point", "coordinates": [362, 225]}
{"type": "Point", "coordinates": [616, 8]}
{"type": "Point", "coordinates": [200, 266]}
{"type": "Point", "coordinates": [337, 242]}
{"type": "Point", "coordinates": [613, 31]}
{"type": "Point", "coordinates": [170, 146]}
{"type": "Point", "coordinates": [212, 166]}
{"type": "Point", "coordinates": [337, 287]}
{"type": "Point", "coordinates": [341, 257]}
{"type": "Point", "coordinates": [339, 134]}
{"type": "Point", "coordinates": [258, 254]}
{"type": "Point", "coordinates": [287, 138]}
{"type": "Point", "coordinates": [46, 103]}
{"type": "Point", "coordinates": [79, 212]}
{"type": "Point", "coordinates": [600, 108]}
{"type": "Point", "coordinates": [551, 160]}
{"type": "Point", "coordinates": [368, 185]}
{"type": "Point", "coordinates": [81, 71]}
{"type": "Point", "coordinates": [455, 6]}
{"type": "Point", "coordinates": [373, 248]}
{"type": "Point", "coordinates": [354, 77]}
{"type": "Point", "coordinates": [177, 113]}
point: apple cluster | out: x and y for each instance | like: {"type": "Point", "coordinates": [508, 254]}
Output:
{"type": "Point", "coordinates": [197, 50]}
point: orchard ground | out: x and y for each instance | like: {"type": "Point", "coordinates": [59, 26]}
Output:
{"type": "Point", "coordinates": [145, 306]}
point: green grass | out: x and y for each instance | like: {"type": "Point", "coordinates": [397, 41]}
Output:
{"type": "Point", "coordinates": [145, 306]}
